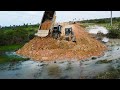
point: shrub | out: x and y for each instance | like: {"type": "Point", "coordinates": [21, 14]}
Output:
{"type": "Point", "coordinates": [114, 32]}
{"type": "Point", "coordinates": [16, 36]}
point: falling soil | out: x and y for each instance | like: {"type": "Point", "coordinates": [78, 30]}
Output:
{"type": "Point", "coordinates": [46, 25]}
{"type": "Point", "coordinates": [51, 49]}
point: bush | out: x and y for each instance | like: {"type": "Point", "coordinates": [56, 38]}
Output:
{"type": "Point", "coordinates": [5, 58]}
{"type": "Point", "coordinates": [14, 37]}
{"type": "Point", "coordinates": [114, 33]}
{"type": "Point", "coordinates": [18, 35]}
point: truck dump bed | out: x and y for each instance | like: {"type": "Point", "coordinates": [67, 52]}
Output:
{"type": "Point", "coordinates": [47, 23]}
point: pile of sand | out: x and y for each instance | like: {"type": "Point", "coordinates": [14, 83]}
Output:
{"type": "Point", "coordinates": [51, 49]}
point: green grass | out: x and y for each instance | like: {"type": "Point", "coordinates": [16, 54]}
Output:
{"type": "Point", "coordinates": [10, 47]}
{"type": "Point", "coordinates": [18, 34]}
{"type": "Point", "coordinates": [13, 38]}
{"type": "Point", "coordinates": [102, 20]}
{"type": "Point", "coordinates": [108, 26]}
{"type": "Point", "coordinates": [14, 58]}
{"type": "Point", "coordinates": [4, 58]}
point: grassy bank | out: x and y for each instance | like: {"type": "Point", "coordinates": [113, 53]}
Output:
{"type": "Point", "coordinates": [13, 58]}
{"type": "Point", "coordinates": [10, 47]}
{"type": "Point", "coordinates": [17, 34]}
{"type": "Point", "coordinates": [14, 37]}
{"type": "Point", "coordinates": [5, 58]}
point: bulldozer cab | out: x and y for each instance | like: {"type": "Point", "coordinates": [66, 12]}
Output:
{"type": "Point", "coordinates": [56, 31]}
{"type": "Point", "coordinates": [69, 35]}
{"type": "Point", "coordinates": [68, 31]}
{"type": "Point", "coordinates": [57, 28]}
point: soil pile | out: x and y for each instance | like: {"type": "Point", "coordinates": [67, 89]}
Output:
{"type": "Point", "coordinates": [51, 49]}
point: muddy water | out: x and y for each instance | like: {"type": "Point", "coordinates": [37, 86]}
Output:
{"type": "Point", "coordinates": [63, 69]}
{"type": "Point", "coordinates": [74, 69]}
{"type": "Point", "coordinates": [96, 29]}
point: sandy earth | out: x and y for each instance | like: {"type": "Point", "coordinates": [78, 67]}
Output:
{"type": "Point", "coordinates": [50, 49]}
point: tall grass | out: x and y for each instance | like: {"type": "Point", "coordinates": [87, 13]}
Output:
{"type": "Point", "coordinates": [114, 31]}
{"type": "Point", "coordinates": [10, 47]}
{"type": "Point", "coordinates": [14, 58]}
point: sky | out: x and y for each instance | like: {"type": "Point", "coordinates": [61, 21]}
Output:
{"type": "Point", "coordinates": [8, 18]}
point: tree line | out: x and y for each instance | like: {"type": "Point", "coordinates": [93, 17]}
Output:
{"type": "Point", "coordinates": [104, 20]}
{"type": "Point", "coordinates": [17, 35]}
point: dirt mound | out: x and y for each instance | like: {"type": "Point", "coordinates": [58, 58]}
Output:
{"type": "Point", "coordinates": [51, 49]}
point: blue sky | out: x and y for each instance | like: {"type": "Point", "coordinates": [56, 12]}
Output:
{"type": "Point", "coordinates": [20, 17]}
